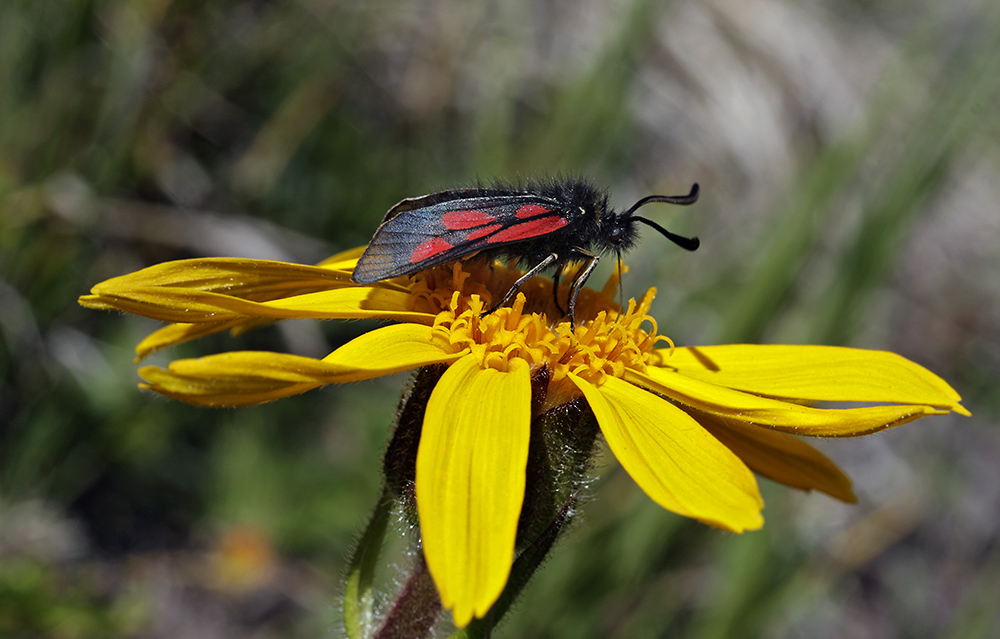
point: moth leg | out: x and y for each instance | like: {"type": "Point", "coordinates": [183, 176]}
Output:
{"type": "Point", "coordinates": [579, 281]}
{"type": "Point", "coordinates": [555, 289]}
{"type": "Point", "coordinates": [521, 280]}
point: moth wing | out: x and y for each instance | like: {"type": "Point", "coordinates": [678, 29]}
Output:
{"type": "Point", "coordinates": [423, 201]}
{"type": "Point", "coordinates": [419, 233]}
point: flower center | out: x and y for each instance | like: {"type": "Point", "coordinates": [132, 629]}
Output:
{"type": "Point", "coordinates": [605, 341]}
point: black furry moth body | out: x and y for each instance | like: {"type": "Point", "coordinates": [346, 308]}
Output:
{"type": "Point", "coordinates": [540, 225]}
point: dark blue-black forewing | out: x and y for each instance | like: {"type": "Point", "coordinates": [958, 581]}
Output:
{"type": "Point", "coordinates": [422, 232]}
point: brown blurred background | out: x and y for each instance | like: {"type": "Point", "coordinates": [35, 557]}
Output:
{"type": "Point", "coordinates": [849, 156]}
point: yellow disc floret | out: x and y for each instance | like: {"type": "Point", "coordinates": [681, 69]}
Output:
{"type": "Point", "coordinates": [605, 346]}
{"type": "Point", "coordinates": [497, 337]}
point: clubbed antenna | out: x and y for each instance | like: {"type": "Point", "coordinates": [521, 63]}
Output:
{"type": "Point", "coordinates": [688, 243]}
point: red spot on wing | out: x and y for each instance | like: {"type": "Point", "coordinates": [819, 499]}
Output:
{"type": "Point", "coordinates": [532, 210]}
{"type": "Point", "coordinates": [430, 248]}
{"type": "Point", "coordinates": [455, 220]}
{"type": "Point", "coordinates": [481, 231]}
{"type": "Point", "coordinates": [526, 230]}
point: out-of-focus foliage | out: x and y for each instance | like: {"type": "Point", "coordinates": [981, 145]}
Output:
{"type": "Point", "coordinates": [848, 154]}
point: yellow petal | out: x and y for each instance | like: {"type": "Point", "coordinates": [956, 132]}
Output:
{"type": "Point", "coordinates": [173, 304]}
{"type": "Point", "coordinates": [223, 289]}
{"type": "Point", "coordinates": [241, 378]}
{"type": "Point", "coordinates": [379, 300]}
{"type": "Point", "coordinates": [233, 276]}
{"type": "Point", "coordinates": [672, 458]}
{"type": "Point", "coordinates": [781, 457]}
{"type": "Point", "coordinates": [470, 481]}
{"type": "Point", "coordinates": [181, 332]}
{"type": "Point", "coordinates": [773, 413]}
{"type": "Point", "coordinates": [189, 305]}
{"type": "Point", "coordinates": [245, 378]}
{"type": "Point", "coordinates": [815, 373]}
{"type": "Point", "coordinates": [388, 350]}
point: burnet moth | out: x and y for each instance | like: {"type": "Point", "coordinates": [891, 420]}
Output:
{"type": "Point", "coordinates": [544, 224]}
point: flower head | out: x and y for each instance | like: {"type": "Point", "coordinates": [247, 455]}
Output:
{"type": "Point", "coordinates": [691, 425]}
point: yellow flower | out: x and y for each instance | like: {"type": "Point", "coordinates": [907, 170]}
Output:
{"type": "Point", "coordinates": [689, 425]}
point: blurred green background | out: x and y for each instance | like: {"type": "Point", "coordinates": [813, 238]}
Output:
{"type": "Point", "coordinates": [849, 156]}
